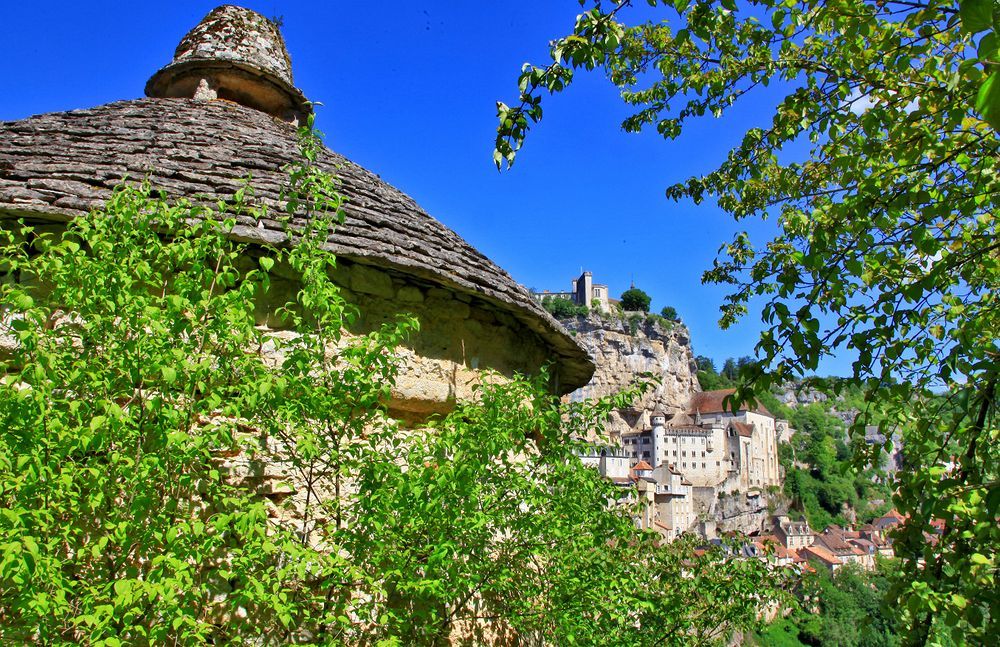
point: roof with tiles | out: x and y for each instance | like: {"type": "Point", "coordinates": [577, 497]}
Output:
{"type": "Point", "coordinates": [60, 165]}
{"type": "Point", "coordinates": [713, 402]}
{"type": "Point", "coordinates": [822, 554]}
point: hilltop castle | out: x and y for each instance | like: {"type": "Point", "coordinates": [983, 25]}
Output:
{"type": "Point", "coordinates": [584, 292]}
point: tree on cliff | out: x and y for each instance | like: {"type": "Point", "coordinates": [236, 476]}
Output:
{"type": "Point", "coordinates": [887, 247]}
{"type": "Point", "coordinates": [635, 300]}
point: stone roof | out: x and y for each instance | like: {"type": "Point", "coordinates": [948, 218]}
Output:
{"type": "Point", "coordinates": [60, 165]}
{"type": "Point", "coordinates": [712, 402]}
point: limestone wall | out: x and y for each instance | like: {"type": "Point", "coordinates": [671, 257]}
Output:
{"type": "Point", "coordinates": [620, 355]}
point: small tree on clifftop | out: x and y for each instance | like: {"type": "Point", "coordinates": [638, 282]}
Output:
{"type": "Point", "coordinates": [635, 299]}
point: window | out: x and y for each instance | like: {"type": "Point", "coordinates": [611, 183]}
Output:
{"type": "Point", "coordinates": [703, 454]}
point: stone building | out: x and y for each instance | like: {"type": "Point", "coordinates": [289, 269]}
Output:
{"type": "Point", "coordinates": [711, 445]}
{"type": "Point", "coordinates": [226, 109]}
{"type": "Point", "coordinates": [583, 292]}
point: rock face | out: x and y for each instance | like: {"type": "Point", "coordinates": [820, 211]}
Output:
{"type": "Point", "coordinates": [621, 354]}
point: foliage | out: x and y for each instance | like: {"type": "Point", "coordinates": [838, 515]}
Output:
{"type": "Point", "coordinates": [172, 473]}
{"type": "Point", "coordinates": [562, 308]}
{"type": "Point", "coordinates": [887, 246]}
{"type": "Point", "coordinates": [669, 313]}
{"type": "Point", "coordinates": [844, 609]}
{"type": "Point", "coordinates": [634, 321]}
{"type": "Point", "coordinates": [818, 475]}
{"type": "Point", "coordinates": [635, 300]}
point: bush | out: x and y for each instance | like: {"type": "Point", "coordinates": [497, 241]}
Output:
{"type": "Point", "coordinates": [669, 313]}
{"type": "Point", "coordinates": [562, 308]}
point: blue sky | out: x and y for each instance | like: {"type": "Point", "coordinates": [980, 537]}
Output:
{"type": "Point", "coordinates": [409, 90]}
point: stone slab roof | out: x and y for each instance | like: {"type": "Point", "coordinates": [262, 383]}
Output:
{"type": "Point", "coordinates": [60, 165]}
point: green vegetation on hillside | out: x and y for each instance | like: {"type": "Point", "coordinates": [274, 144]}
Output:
{"type": "Point", "coordinates": [845, 609]}
{"type": "Point", "coordinates": [562, 308]}
{"type": "Point", "coordinates": [886, 230]}
{"type": "Point", "coordinates": [635, 300]}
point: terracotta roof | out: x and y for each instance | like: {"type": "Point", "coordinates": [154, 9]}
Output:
{"type": "Point", "coordinates": [822, 554]}
{"type": "Point", "coordinates": [744, 429]}
{"type": "Point", "coordinates": [712, 402]}
{"type": "Point", "coordinates": [60, 165]}
{"type": "Point", "coordinates": [835, 541]}
{"type": "Point", "coordinates": [641, 466]}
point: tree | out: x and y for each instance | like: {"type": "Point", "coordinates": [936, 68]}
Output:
{"type": "Point", "coordinates": [139, 410]}
{"type": "Point", "coordinates": [887, 247]}
{"type": "Point", "coordinates": [669, 313]}
{"type": "Point", "coordinates": [705, 363]}
{"type": "Point", "coordinates": [562, 308]}
{"type": "Point", "coordinates": [729, 369]}
{"type": "Point", "coordinates": [635, 300]}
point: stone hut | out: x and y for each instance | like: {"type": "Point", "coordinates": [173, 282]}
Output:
{"type": "Point", "coordinates": [226, 109]}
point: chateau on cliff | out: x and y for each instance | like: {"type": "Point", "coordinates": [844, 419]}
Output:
{"type": "Point", "coordinates": [711, 445]}
{"type": "Point", "coordinates": [584, 292]}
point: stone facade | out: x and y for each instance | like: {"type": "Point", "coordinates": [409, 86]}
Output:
{"type": "Point", "coordinates": [583, 292]}
{"type": "Point", "coordinates": [712, 446]}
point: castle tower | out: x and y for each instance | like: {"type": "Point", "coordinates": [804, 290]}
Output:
{"type": "Point", "coordinates": [659, 421]}
{"type": "Point", "coordinates": [233, 54]}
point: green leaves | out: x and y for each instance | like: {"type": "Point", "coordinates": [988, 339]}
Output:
{"type": "Point", "coordinates": [988, 99]}
{"type": "Point", "coordinates": [977, 15]}
{"type": "Point", "coordinates": [887, 243]}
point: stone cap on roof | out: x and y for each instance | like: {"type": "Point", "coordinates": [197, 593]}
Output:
{"type": "Point", "coordinates": [235, 54]}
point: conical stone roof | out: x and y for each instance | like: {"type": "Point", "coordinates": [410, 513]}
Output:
{"type": "Point", "coordinates": [60, 165]}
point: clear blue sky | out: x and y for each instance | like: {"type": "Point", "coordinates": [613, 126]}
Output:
{"type": "Point", "coordinates": [409, 90]}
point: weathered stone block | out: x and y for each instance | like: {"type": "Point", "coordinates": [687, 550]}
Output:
{"type": "Point", "coordinates": [369, 280]}
{"type": "Point", "coordinates": [410, 294]}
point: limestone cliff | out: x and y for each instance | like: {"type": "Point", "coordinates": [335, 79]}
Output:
{"type": "Point", "coordinates": [622, 350]}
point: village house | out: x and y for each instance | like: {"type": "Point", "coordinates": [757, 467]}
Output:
{"type": "Point", "coordinates": [793, 534]}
